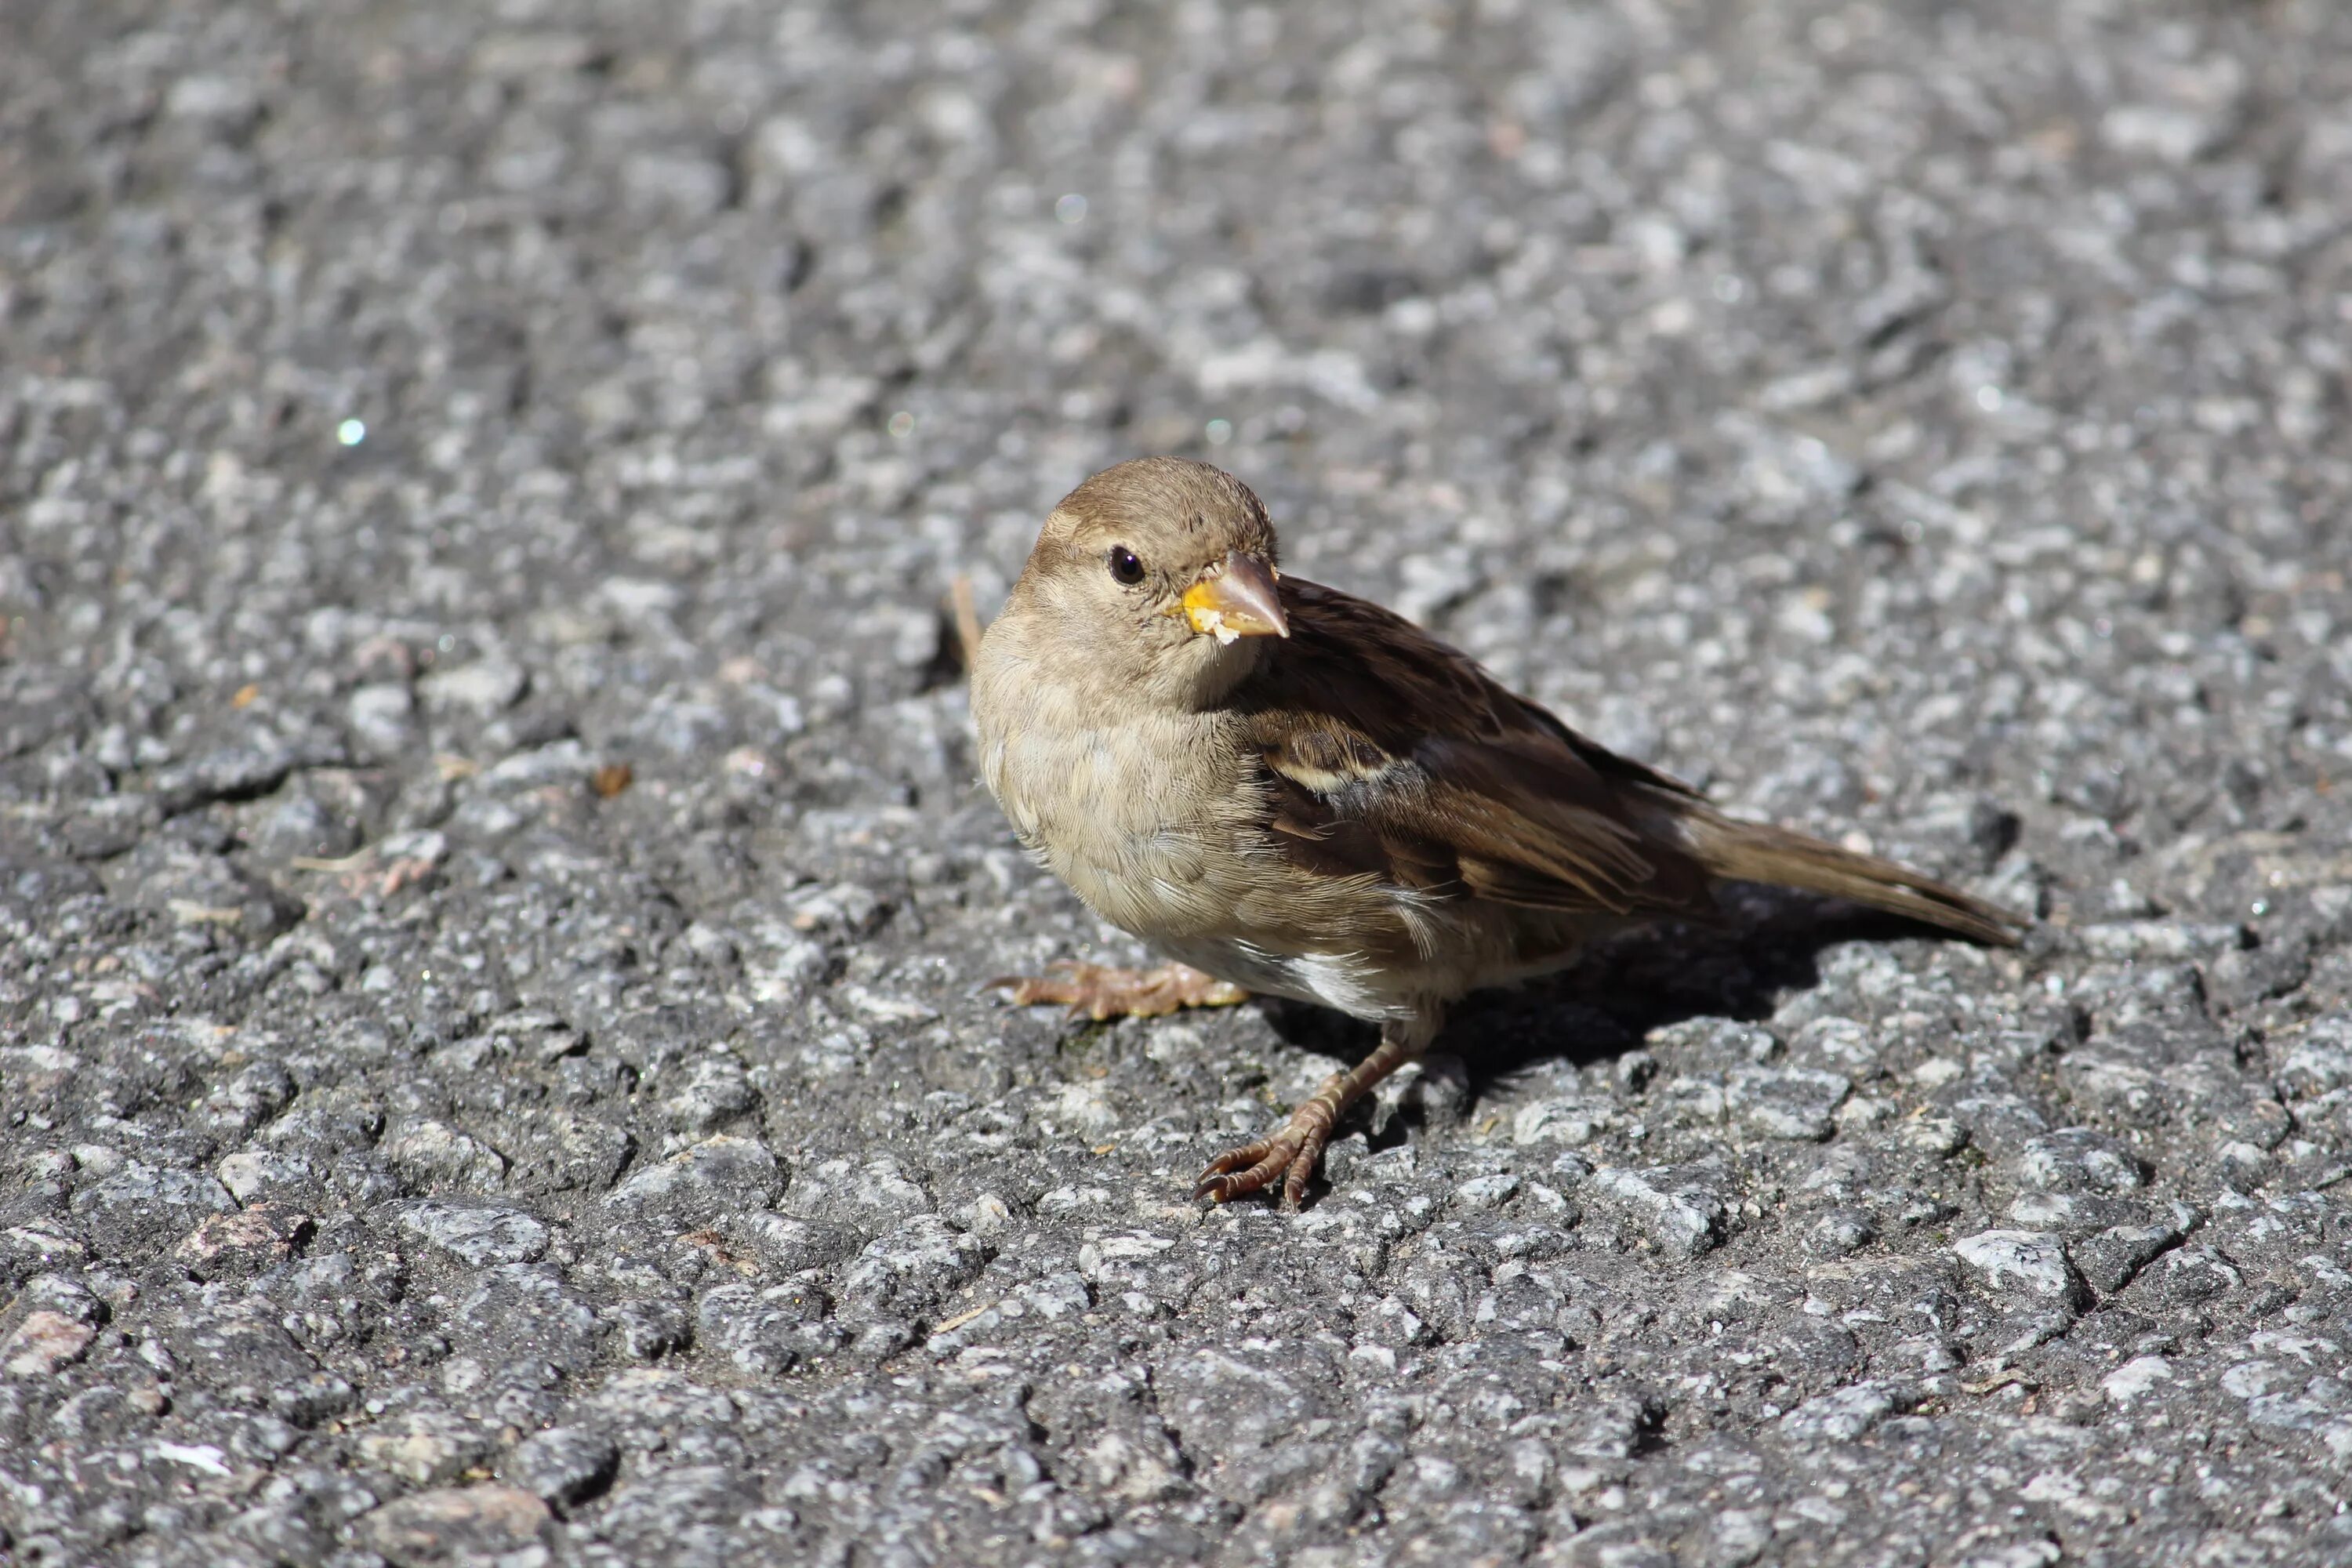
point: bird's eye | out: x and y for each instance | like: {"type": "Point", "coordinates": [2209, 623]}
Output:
{"type": "Point", "coordinates": [1125, 567]}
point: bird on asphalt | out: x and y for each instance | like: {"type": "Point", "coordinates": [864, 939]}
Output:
{"type": "Point", "coordinates": [1287, 790]}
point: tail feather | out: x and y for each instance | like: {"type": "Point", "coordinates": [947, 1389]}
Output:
{"type": "Point", "coordinates": [1753, 852]}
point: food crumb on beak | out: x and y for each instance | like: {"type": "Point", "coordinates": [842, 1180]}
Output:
{"type": "Point", "coordinates": [1236, 598]}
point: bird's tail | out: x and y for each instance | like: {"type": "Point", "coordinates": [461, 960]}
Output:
{"type": "Point", "coordinates": [1753, 852]}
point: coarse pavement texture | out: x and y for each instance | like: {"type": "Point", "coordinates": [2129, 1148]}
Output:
{"type": "Point", "coordinates": [494, 901]}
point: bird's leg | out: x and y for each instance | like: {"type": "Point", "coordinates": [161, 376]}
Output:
{"type": "Point", "coordinates": [1099, 991]}
{"type": "Point", "coordinates": [1294, 1149]}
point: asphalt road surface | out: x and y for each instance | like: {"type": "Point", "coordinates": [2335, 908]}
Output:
{"type": "Point", "coordinates": [493, 896]}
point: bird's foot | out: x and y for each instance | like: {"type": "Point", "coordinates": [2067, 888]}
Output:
{"type": "Point", "coordinates": [1099, 991]}
{"type": "Point", "coordinates": [1295, 1148]}
{"type": "Point", "coordinates": [1289, 1155]}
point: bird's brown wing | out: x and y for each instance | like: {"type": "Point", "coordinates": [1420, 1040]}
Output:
{"type": "Point", "coordinates": [1394, 756]}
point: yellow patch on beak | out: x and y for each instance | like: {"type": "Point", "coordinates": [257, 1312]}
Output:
{"type": "Point", "coordinates": [1237, 598]}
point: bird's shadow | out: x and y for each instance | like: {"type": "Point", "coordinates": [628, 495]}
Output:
{"type": "Point", "coordinates": [1622, 987]}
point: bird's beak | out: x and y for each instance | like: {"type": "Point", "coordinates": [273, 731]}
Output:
{"type": "Point", "coordinates": [1237, 598]}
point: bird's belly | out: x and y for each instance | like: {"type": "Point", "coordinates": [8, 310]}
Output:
{"type": "Point", "coordinates": [1347, 983]}
{"type": "Point", "coordinates": [1459, 949]}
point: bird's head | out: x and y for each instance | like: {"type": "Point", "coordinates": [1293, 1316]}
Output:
{"type": "Point", "coordinates": [1160, 573]}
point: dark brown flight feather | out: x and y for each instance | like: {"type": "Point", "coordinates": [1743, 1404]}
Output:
{"type": "Point", "coordinates": [1395, 756]}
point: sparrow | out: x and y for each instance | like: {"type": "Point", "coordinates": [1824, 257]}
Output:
{"type": "Point", "coordinates": [1288, 790]}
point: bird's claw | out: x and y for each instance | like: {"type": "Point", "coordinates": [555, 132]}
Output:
{"type": "Point", "coordinates": [1290, 1154]}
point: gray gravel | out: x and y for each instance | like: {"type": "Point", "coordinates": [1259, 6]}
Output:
{"type": "Point", "coordinates": [425, 1141]}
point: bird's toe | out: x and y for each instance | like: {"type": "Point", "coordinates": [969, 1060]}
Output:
{"type": "Point", "coordinates": [1099, 992]}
